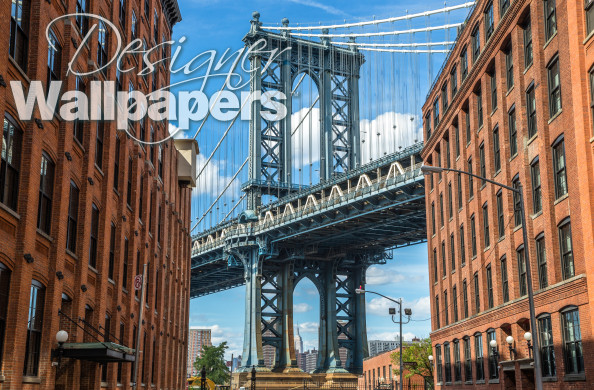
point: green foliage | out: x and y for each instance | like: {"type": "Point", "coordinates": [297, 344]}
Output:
{"type": "Point", "coordinates": [212, 359]}
{"type": "Point", "coordinates": [415, 359]}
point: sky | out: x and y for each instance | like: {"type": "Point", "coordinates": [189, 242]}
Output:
{"type": "Point", "coordinates": [220, 25]}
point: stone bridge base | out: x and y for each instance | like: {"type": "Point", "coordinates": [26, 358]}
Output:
{"type": "Point", "coordinates": [294, 380]}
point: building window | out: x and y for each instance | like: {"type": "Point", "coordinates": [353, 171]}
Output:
{"type": "Point", "coordinates": [78, 125]}
{"type": "Point", "coordinates": [479, 108]}
{"type": "Point", "coordinates": [536, 191]}
{"type": "Point", "coordinates": [99, 144]}
{"type": "Point", "coordinates": [160, 162]}
{"type": "Point", "coordinates": [473, 236]}
{"type": "Point", "coordinates": [531, 111]}
{"type": "Point", "coordinates": [483, 166]}
{"type": "Point", "coordinates": [516, 199]}
{"type": "Point", "coordinates": [453, 251]}
{"type": "Point", "coordinates": [437, 313]}
{"type": "Point", "coordinates": [10, 161]}
{"type": "Point", "coordinates": [34, 328]}
{"type": "Point", "coordinates": [446, 144]}
{"type": "Point", "coordinates": [457, 140]}
{"type": "Point", "coordinates": [435, 265]}
{"type": "Point", "coordinates": [116, 165]}
{"type": "Point", "coordinates": [476, 43]}
{"type": "Point", "coordinates": [504, 282]}
{"type": "Point", "coordinates": [443, 259]}
{"type": "Point", "coordinates": [435, 113]}
{"type": "Point", "coordinates": [500, 220]}
{"type": "Point", "coordinates": [441, 209]}
{"type": "Point", "coordinates": [455, 303]}
{"type": "Point", "coordinates": [470, 180]}
{"type": "Point", "coordinates": [489, 287]}
{"type": "Point", "coordinates": [522, 271]}
{"type": "Point", "coordinates": [102, 45]}
{"type": "Point", "coordinates": [493, 371]}
{"type": "Point", "coordinates": [465, 298]}
{"type": "Point", "coordinates": [446, 308]}
{"type": "Point", "coordinates": [541, 258]}
{"type": "Point", "coordinates": [4, 293]}
{"type": "Point", "coordinates": [125, 263]}
{"type": "Point", "coordinates": [503, 6]}
{"type": "Point", "coordinates": [54, 54]}
{"type": "Point", "coordinates": [438, 363]}
{"type": "Point", "coordinates": [554, 87]}
{"type": "Point", "coordinates": [464, 63]}
{"type": "Point", "coordinates": [450, 201]}
{"type": "Point", "coordinates": [112, 240]}
{"type": "Point", "coordinates": [444, 97]}
{"type": "Point", "coordinates": [82, 22]}
{"type": "Point", "coordinates": [559, 171]}
{"type": "Point", "coordinates": [462, 247]}
{"type": "Point", "coordinates": [572, 342]}
{"type": "Point", "coordinates": [488, 22]}
{"type": "Point", "coordinates": [467, 360]}
{"type": "Point", "coordinates": [46, 190]}
{"type": "Point", "coordinates": [459, 185]}
{"type": "Point", "coordinates": [129, 189]}
{"type": "Point", "coordinates": [94, 236]}
{"type": "Point", "coordinates": [592, 92]}
{"type": "Point", "coordinates": [547, 348]}
{"type": "Point", "coordinates": [493, 91]}
{"type": "Point", "coordinates": [454, 81]}
{"type": "Point", "coordinates": [527, 43]}
{"type": "Point", "coordinates": [496, 150]}
{"type": "Point", "coordinates": [448, 364]}
{"type": "Point", "coordinates": [478, 351]}
{"type": "Point", "coordinates": [513, 133]}
{"type": "Point", "coordinates": [428, 125]}
{"type": "Point", "coordinates": [477, 301]}
{"type": "Point", "coordinates": [486, 225]}
{"type": "Point", "coordinates": [566, 248]}
{"type": "Point", "coordinates": [71, 230]}
{"type": "Point", "coordinates": [433, 217]}
{"type": "Point", "coordinates": [134, 26]}
{"type": "Point", "coordinates": [589, 7]}
{"type": "Point", "coordinates": [550, 19]}
{"type": "Point", "coordinates": [509, 67]}
{"type": "Point", "coordinates": [457, 363]}
{"type": "Point", "coordinates": [19, 32]}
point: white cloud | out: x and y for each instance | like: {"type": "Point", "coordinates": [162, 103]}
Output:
{"type": "Point", "coordinates": [324, 7]}
{"type": "Point", "coordinates": [408, 336]}
{"type": "Point", "coordinates": [386, 134]}
{"type": "Point", "coordinates": [378, 276]}
{"type": "Point", "coordinates": [301, 308]}
{"type": "Point", "coordinates": [233, 337]}
{"type": "Point", "coordinates": [309, 327]}
{"type": "Point", "coordinates": [212, 180]}
{"type": "Point", "coordinates": [420, 307]}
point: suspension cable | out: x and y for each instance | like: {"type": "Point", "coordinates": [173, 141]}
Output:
{"type": "Point", "coordinates": [380, 33]}
{"type": "Point", "coordinates": [393, 44]}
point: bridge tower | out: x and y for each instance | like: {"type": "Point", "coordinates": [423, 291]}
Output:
{"type": "Point", "coordinates": [270, 276]}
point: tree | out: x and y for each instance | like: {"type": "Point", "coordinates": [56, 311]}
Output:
{"type": "Point", "coordinates": [212, 358]}
{"type": "Point", "coordinates": [415, 359]}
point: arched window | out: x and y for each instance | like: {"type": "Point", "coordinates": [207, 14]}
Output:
{"type": "Point", "coordinates": [34, 329]}
{"type": "Point", "coordinates": [10, 162]}
{"type": "Point", "coordinates": [545, 339]}
{"type": "Point", "coordinates": [46, 191]}
{"type": "Point", "coordinates": [566, 248]}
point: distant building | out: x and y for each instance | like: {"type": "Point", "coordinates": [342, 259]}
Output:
{"type": "Point", "coordinates": [197, 338]}
{"type": "Point", "coordinates": [269, 352]}
{"type": "Point", "coordinates": [378, 373]}
{"type": "Point", "coordinates": [311, 360]}
{"type": "Point", "coordinates": [342, 352]}
{"type": "Point", "coordinates": [302, 361]}
{"type": "Point", "coordinates": [298, 343]}
{"type": "Point", "coordinates": [378, 346]}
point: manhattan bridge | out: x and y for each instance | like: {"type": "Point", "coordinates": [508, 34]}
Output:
{"type": "Point", "coordinates": [329, 190]}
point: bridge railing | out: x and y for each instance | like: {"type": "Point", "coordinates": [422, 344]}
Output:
{"type": "Point", "coordinates": [307, 205]}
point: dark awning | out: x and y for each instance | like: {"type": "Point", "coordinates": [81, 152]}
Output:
{"type": "Point", "coordinates": [105, 352]}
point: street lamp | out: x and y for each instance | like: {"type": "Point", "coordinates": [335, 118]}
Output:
{"type": "Point", "coordinates": [493, 345]}
{"type": "Point", "coordinates": [407, 312]}
{"type": "Point", "coordinates": [528, 338]}
{"type": "Point", "coordinates": [512, 351]}
{"type": "Point", "coordinates": [427, 170]}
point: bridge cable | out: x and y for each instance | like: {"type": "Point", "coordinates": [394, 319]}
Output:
{"type": "Point", "coordinates": [370, 22]}
{"type": "Point", "coordinates": [234, 207]}
{"type": "Point", "coordinates": [380, 33]}
{"type": "Point", "coordinates": [419, 44]}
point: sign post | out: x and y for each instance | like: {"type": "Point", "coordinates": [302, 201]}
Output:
{"type": "Point", "coordinates": [139, 284]}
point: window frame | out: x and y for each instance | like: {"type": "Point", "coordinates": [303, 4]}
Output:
{"type": "Point", "coordinates": [574, 339]}
{"type": "Point", "coordinates": [554, 87]}
{"type": "Point", "coordinates": [550, 19]}
{"type": "Point", "coordinates": [566, 251]}
{"type": "Point", "coordinates": [72, 223]}
{"type": "Point", "coordinates": [34, 329]}
{"type": "Point", "coordinates": [46, 193]}
{"type": "Point", "coordinates": [535, 179]}
{"type": "Point", "coordinates": [541, 260]}
{"type": "Point", "coordinates": [560, 172]}
{"type": "Point", "coordinates": [531, 120]}
{"type": "Point", "coordinates": [504, 279]}
{"type": "Point", "coordinates": [10, 162]}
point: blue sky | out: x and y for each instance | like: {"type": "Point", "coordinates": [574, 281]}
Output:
{"type": "Point", "coordinates": [220, 25]}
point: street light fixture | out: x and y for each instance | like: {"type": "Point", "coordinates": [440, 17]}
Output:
{"type": "Point", "coordinates": [493, 345]}
{"type": "Point", "coordinates": [528, 338]}
{"type": "Point", "coordinates": [512, 351]}
{"type": "Point", "coordinates": [392, 311]}
{"type": "Point", "coordinates": [519, 190]}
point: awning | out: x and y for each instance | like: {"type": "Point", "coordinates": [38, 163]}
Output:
{"type": "Point", "coordinates": [101, 352]}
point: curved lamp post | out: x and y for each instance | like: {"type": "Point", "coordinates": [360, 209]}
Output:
{"type": "Point", "coordinates": [407, 312]}
{"type": "Point", "coordinates": [427, 170]}
{"type": "Point", "coordinates": [510, 341]}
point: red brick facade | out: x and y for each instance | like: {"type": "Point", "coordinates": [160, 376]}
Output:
{"type": "Point", "coordinates": [378, 371]}
{"type": "Point", "coordinates": [534, 69]}
{"type": "Point", "coordinates": [155, 223]}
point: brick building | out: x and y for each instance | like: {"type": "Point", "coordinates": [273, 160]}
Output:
{"type": "Point", "coordinates": [378, 373]}
{"type": "Point", "coordinates": [513, 104]}
{"type": "Point", "coordinates": [83, 208]}
{"type": "Point", "coordinates": [197, 338]}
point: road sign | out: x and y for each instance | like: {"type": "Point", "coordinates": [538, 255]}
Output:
{"type": "Point", "coordinates": [137, 282]}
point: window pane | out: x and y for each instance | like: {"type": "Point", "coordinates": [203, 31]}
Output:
{"type": "Point", "coordinates": [572, 340]}
{"type": "Point", "coordinates": [10, 163]}
{"type": "Point", "coordinates": [34, 328]}
{"type": "Point", "coordinates": [547, 350]}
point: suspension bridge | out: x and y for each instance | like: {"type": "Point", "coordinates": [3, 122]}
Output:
{"type": "Point", "coordinates": [323, 193]}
